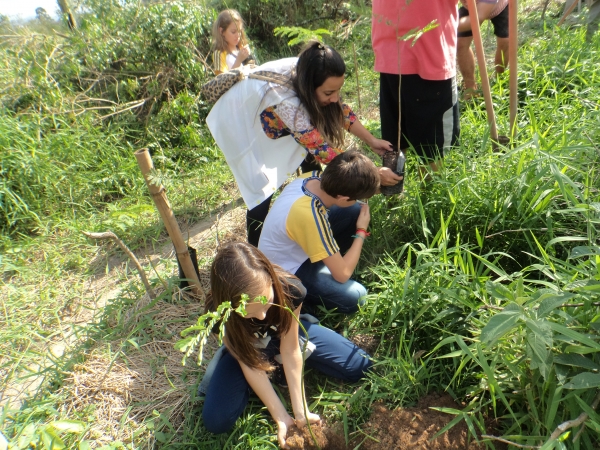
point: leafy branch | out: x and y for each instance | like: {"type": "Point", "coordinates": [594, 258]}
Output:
{"type": "Point", "coordinates": [300, 35]}
{"type": "Point", "coordinates": [205, 325]}
{"type": "Point", "coordinates": [417, 32]}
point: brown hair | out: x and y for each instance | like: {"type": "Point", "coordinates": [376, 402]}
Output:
{"type": "Point", "coordinates": [316, 63]}
{"type": "Point", "coordinates": [224, 19]}
{"type": "Point", "coordinates": [350, 174]}
{"type": "Point", "coordinates": [240, 268]}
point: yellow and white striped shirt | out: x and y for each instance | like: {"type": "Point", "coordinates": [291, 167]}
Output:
{"type": "Point", "coordinates": [297, 228]}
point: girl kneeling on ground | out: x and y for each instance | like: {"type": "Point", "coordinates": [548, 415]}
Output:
{"type": "Point", "coordinates": [267, 333]}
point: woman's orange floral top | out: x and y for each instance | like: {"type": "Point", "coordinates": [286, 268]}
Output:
{"type": "Point", "coordinates": [287, 119]}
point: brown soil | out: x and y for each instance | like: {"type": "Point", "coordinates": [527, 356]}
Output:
{"type": "Point", "coordinates": [404, 428]}
{"type": "Point", "coordinates": [413, 428]}
{"type": "Point", "coordinates": [367, 342]}
{"type": "Point", "coordinates": [327, 438]}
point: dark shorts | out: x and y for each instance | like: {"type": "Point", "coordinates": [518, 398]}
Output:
{"type": "Point", "coordinates": [500, 23]}
{"type": "Point", "coordinates": [429, 114]}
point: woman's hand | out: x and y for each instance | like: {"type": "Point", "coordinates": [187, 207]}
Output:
{"type": "Point", "coordinates": [283, 427]}
{"type": "Point", "coordinates": [387, 177]}
{"type": "Point", "coordinates": [364, 217]}
{"type": "Point", "coordinates": [312, 419]}
{"type": "Point", "coordinates": [380, 146]}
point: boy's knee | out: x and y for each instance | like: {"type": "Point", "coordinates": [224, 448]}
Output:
{"type": "Point", "coordinates": [355, 297]}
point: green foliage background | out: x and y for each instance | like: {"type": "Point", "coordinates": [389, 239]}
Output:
{"type": "Point", "coordinates": [484, 283]}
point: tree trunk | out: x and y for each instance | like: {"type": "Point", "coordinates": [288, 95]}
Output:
{"type": "Point", "coordinates": [66, 10]}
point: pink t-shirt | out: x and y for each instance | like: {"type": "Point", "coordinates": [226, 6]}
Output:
{"type": "Point", "coordinates": [433, 57]}
{"type": "Point", "coordinates": [500, 5]}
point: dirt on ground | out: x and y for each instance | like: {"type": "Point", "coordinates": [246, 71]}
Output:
{"type": "Point", "coordinates": [367, 342]}
{"type": "Point", "coordinates": [326, 437]}
{"type": "Point", "coordinates": [413, 428]}
{"type": "Point", "coordinates": [403, 429]}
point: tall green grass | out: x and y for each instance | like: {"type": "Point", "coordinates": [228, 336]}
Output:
{"type": "Point", "coordinates": [483, 283]}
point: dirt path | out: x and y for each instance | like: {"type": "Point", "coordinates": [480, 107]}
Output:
{"type": "Point", "coordinates": [112, 274]}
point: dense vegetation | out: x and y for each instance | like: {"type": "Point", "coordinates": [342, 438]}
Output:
{"type": "Point", "coordinates": [484, 283]}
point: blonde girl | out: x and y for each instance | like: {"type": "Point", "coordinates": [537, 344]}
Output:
{"type": "Point", "coordinates": [230, 44]}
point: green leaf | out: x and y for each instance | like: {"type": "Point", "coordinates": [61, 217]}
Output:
{"type": "Point", "coordinates": [578, 337]}
{"type": "Point", "coordinates": [542, 330]}
{"type": "Point", "coordinates": [51, 440]}
{"type": "Point", "coordinates": [540, 356]}
{"type": "Point", "coordinates": [499, 291]}
{"type": "Point", "coordinates": [581, 251]}
{"type": "Point", "coordinates": [575, 360]}
{"type": "Point", "coordinates": [584, 380]}
{"type": "Point", "coordinates": [583, 285]}
{"type": "Point", "coordinates": [70, 426]}
{"type": "Point", "coordinates": [85, 445]}
{"type": "Point", "coordinates": [499, 325]}
{"type": "Point", "coordinates": [551, 302]}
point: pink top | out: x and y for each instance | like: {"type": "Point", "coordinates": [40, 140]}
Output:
{"type": "Point", "coordinates": [500, 5]}
{"type": "Point", "coordinates": [433, 56]}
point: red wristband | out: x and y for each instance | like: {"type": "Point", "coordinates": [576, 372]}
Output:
{"type": "Point", "coordinates": [364, 231]}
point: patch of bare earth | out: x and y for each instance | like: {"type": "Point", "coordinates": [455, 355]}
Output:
{"type": "Point", "coordinates": [367, 342]}
{"type": "Point", "coordinates": [327, 438]}
{"type": "Point", "coordinates": [413, 428]}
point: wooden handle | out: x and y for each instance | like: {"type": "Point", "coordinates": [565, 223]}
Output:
{"type": "Point", "coordinates": [166, 213]}
{"type": "Point", "coordinates": [513, 48]}
{"type": "Point", "coordinates": [485, 82]}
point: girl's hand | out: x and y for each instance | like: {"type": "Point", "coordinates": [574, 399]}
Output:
{"type": "Point", "coordinates": [364, 217]}
{"type": "Point", "coordinates": [380, 146]}
{"type": "Point", "coordinates": [282, 429]}
{"type": "Point", "coordinates": [243, 53]}
{"type": "Point", "coordinates": [312, 419]}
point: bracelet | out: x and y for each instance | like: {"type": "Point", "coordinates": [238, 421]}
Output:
{"type": "Point", "coordinates": [358, 236]}
{"type": "Point", "coordinates": [364, 231]}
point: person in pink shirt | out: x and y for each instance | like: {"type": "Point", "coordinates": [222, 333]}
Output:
{"type": "Point", "coordinates": [496, 11]}
{"type": "Point", "coordinates": [423, 71]}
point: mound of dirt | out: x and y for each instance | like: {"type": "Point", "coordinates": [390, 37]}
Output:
{"type": "Point", "coordinates": [413, 428]}
{"type": "Point", "coordinates": [327, 438]}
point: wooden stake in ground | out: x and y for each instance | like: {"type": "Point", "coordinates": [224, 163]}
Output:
{"type": "Point", "coordinates": [485, 82]}
{"type": "Point", "coordinates": [513, 48]}
{"type": "Point", "coordinates": [166, 213]}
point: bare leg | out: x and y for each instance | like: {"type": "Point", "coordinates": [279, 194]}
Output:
{"type": "Point", "coordinates": [501, 58]}
{"type": "Point", "coordinates": [466, 61]}
{"type": "Point", "coordinates": [433, 167]}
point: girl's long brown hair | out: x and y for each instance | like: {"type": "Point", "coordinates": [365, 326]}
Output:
{"type": "Point", "coordinates": [240, 268]}
{"type": "Point", "coordinates": [316, 63]}
{"type": "Point", "coordinates": [224, 19]}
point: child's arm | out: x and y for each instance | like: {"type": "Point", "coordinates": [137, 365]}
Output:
{"type": "Point", "coordinates": [379, 146]}
{"type": "Point", "coordinates": [342, 267]}
{"type": "Point", "coordinates": [291, 354]}
{"type": "Point", "coordinates": [243, 53]}
{"type": "Point", "coordinates": [261, 385]}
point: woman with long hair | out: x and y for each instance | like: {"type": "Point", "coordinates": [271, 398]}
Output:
{"type": "Point", "coordinates": [266, 129]}
{"type": "Point", "coordinates": [266, 336]}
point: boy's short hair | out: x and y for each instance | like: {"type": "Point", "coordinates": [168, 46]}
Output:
{"type": "Point", "coordinates": [350, 174]}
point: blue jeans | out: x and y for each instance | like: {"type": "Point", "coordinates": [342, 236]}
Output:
{"type": "Point", "coordinates": [321, 288]}
{"type": "Point", "coordinates": [228, 391]}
